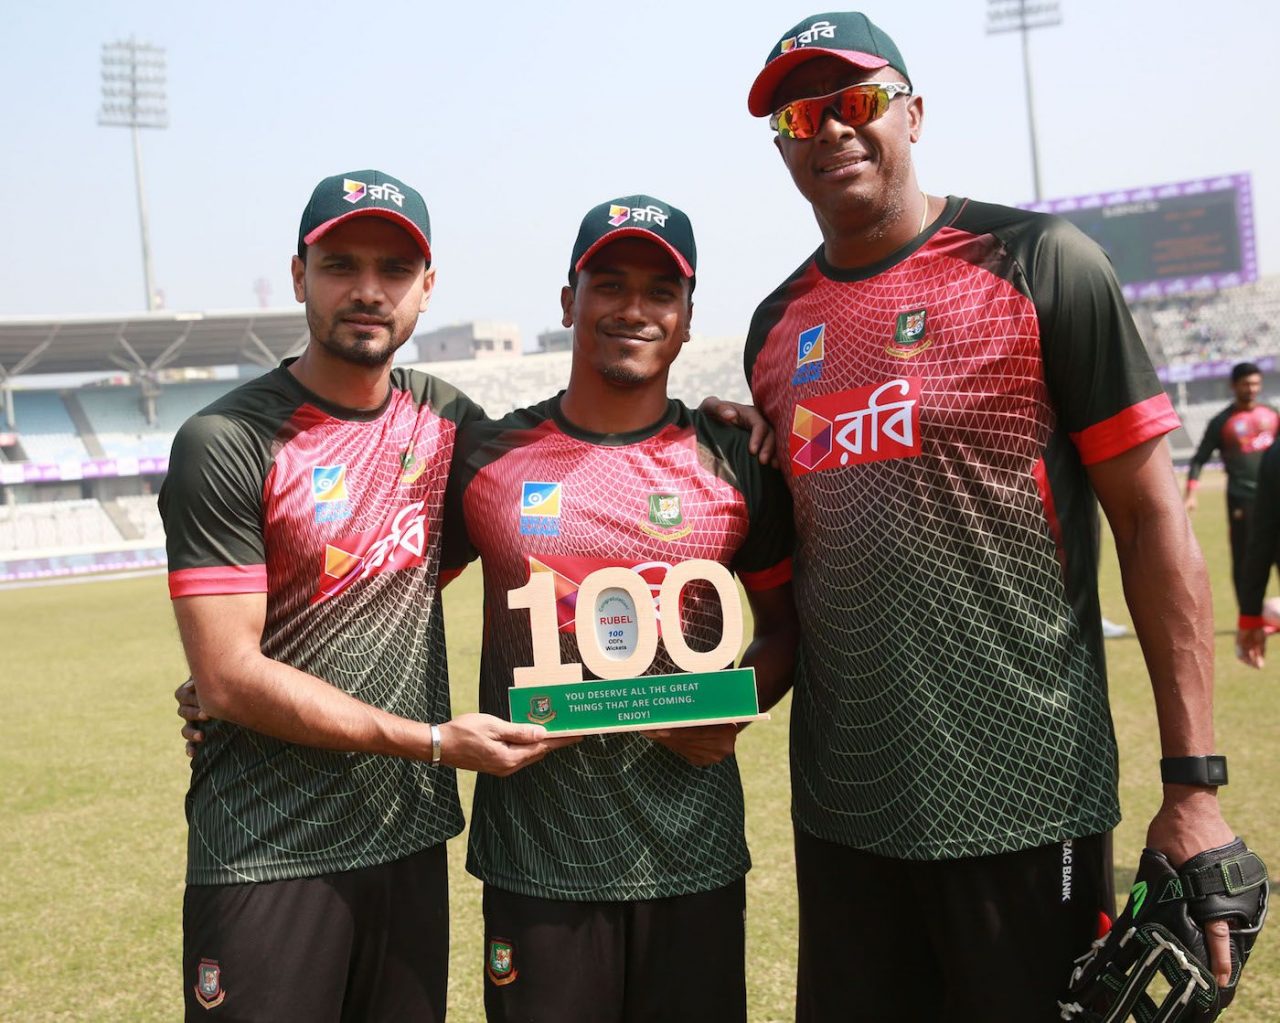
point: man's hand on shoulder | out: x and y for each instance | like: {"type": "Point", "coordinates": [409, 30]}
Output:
{"type": "Point", "coordinates": [763, 443]}
{"type": "Point", "coordinates": [488, 744]}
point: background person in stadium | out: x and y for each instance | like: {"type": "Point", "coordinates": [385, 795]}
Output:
{"type": "Point", "coordinates": [302, 513]}
{"type": "Point", "coordinates": [614, 870]}
{"type": "Point", "coordinates": [959, 380]}
{"type": "Point", "coordinates": [1241, 432]}
{"type": "Point", "coordinates": [1262, 550]}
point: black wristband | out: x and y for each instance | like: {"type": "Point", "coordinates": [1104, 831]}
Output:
{"type": "Point", "coordinates": [1194, 770]}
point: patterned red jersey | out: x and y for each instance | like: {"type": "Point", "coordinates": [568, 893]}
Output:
{"type": "Point", "coordinates": [615, 817]}
{"type": "Point", "coordinates": [335, 516]}
{"type": "Point", "coordinates": [940, 409]}
{"type": "Point", "coordinates": [1243, 436]}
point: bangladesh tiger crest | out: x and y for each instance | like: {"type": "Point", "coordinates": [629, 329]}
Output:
{"type": "Point", "coordinates": [910, 335]}
{"type": "Point", "coordinates": [666, 517]}
{"type": "Point", "coordinates": [208, 987]}
{"type": "Point", "coordinates": [412, 465]}
{"type": "Point", "coordinates": [500, 964]}
{"type": "Point", "coordinates": [540, 711]}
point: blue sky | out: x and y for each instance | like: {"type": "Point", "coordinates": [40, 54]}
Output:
{"type": "Point", "coordinates": [514, 119]}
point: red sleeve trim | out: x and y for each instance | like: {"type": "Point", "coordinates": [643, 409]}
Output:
{"type": "Point", "coordinates": [767, 578]}
{"type": "Point", "coordinates": [1126, 430]}
{"type": "Point", "coordinates": [448, 575]}
{"type": "Point", "coordinates": [1192, 484]}
{"type": "Point", "coordinates": [1251, 622]}
{"type": "Point", "coordinates": [221, 579]}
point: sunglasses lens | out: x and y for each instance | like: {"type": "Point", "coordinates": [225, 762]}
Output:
{"type": "Point", "coordinates": [799, 120]}
{"type": "Point", "coordinates": [854, 106]}
{"type": "Point", "coordinates": [861, 105]}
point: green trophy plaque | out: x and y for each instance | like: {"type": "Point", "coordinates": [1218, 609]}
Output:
{"type": "Point", "coordinates": [616, 620]}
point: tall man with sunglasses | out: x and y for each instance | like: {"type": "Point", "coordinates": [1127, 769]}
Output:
{"type": "Point", "coordinates": [957, 382]}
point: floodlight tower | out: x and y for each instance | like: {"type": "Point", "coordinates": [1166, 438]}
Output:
{"type": "Point", "coordinates": [133, 97]}
{"type": "Point", "coordinates": [1023, 16]}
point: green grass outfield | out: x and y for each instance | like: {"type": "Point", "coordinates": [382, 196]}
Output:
{"type": "Point", "coordinates": [92, 776]}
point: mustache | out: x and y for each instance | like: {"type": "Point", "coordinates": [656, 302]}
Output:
{"type": "Point", "coordinates": [644, 333]}
{"type": "Point", "coordinates": [360, 309]}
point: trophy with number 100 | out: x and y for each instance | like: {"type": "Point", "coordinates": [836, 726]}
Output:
{"type": "Point", "coordinates": [616, 621]}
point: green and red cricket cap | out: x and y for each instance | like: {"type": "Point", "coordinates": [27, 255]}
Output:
{"type": "Point", "coordinates": [636, 216]}
{"type": "Point", "coordinates": [365, 193]}
{"type": "Point", "coordinates": [849, 36]}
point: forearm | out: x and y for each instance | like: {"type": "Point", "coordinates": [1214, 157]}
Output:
{"type": "Point", "coordinates": [1166, 586]}
{"type": "Point", "coordinates": [772, 651]}
{"type": "Point", "coordinates": [236, 682]}
{"type": "Point", "coordinates": [277, 700]}
{"type": "Point", "coordinates": [773, 657]}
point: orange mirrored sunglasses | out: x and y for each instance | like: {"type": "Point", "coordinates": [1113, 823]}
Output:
{"type": "Point", "coordinates": [855, 106]}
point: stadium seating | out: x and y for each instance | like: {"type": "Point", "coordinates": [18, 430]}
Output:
{"type": "Point", "coordinates": [55, 525]}
{"type": "Point", "coordinates": [1240, 323]}
{"type": "Point", "coordinates": [116, 416]}
{"type": "Point", "coordinates": [142, 513]}
{"type": "Point", "coordinates": [45, 428]}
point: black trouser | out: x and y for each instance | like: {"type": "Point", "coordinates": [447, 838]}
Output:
{"type": "Point", "coordinates": [987, 938]}
{"type": "Point", "coordinates": [651, 961]}
{"type": "Point", "coordinates": [363, 945]}
{"type": "Point", "coordinates": [1240, 521]}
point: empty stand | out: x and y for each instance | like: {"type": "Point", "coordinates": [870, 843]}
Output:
{"type": "Point", "coordinates": [55, 525]}
{"type": "Point", "coordinates": [45, 428]}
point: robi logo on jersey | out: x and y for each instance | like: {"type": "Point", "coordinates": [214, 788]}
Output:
{"type": "Point", "coordinates": [866, 424]}
{"type": "Point", "coordinates": [399, 543]}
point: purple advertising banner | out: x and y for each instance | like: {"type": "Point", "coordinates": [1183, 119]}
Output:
{"type": "Point", "coordinates": [89, 469]}
{"type": "Point", "coordinates": [19, 569]}
{"type": "Point", "coordinates": [1209, 370]}
{"type": "Point", "coordinates": [1171, 239]}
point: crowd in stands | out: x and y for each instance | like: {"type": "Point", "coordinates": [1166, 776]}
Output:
{"type": "Point", "coordinates": [1243, 323]}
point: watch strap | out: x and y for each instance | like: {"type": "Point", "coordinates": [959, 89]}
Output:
{"type": "Point", "coordinates": [1210, 770]}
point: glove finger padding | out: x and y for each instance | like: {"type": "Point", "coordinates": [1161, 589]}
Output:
{"type": "Point", "coordinates": [1161, 932]}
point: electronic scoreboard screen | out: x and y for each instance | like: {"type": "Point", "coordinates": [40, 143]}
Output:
{"type": "Point", "coordinates": [1169, 239]}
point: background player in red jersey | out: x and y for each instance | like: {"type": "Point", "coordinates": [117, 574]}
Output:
{"type": "Point", "coordinates": [959, 381]}
{"type": "Point", "coordinates": [614, 869]}
{"type": "Point", "coordinates": [302, 513]}
{"type": "Point", "coordinates": [1242, 432]}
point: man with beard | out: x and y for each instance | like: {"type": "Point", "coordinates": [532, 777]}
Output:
{"type": "Point", "coordinates": [958, 381]}
{"type": "Point", "coordinates": [302, 513]}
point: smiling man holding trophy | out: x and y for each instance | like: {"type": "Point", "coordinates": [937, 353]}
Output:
{"type": "Point", "coordinates": [609, 520]}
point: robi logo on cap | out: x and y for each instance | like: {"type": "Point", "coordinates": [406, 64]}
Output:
{"type": "Point", "coordinates": [353, 191]}
{"type": "Point", "coordinates": [619, 215]}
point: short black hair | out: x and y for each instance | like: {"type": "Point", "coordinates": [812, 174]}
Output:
{"type": "Point", "coordinates": [1244, 369]}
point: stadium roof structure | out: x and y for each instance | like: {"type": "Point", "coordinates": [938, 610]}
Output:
{"type": "Point", "coordinates": [147, 342]}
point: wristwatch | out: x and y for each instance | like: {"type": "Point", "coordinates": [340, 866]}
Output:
{"type": "Point", "coordinates": [1210, 770]}
{"type": "Point", "coordinates": [435, 745]}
